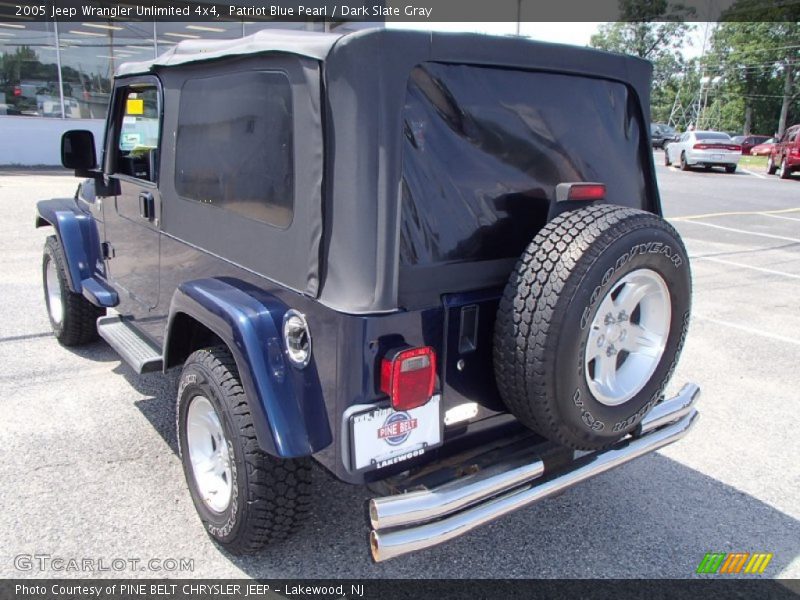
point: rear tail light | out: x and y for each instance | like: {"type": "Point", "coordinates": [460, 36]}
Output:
{"type": "Point", "coordinates": [580, 191]}
{"type": "Point", "coordinates": [17, 91]}
{"type": "Point", "coordinates": [731, 147]}
{"type": "Point", "coordinates": [408, 377]}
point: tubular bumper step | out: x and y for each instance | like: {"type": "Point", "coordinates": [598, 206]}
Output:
{"type": "Point", "coordinates": [408, 522]}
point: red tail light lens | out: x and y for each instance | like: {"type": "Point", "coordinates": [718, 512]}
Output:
{"type": "Point", "coordinates": [700, 147]}
{"type": "Point", "coordinates": [587, 191]}
{"type": "Point", "coordinates": [408, 377]}
{"type": "Point", "coordinates": [734, 148]}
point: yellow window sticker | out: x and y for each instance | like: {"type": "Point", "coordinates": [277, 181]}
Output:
{"type": "Point", "coordinates": [134, 106]}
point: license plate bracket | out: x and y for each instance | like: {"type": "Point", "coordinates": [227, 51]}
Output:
{"type": "Point", "coordinates": [383, 436]}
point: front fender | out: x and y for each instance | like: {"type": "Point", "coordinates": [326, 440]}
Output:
{"type": "Point", "coordinates": [286, 403]}
{"type": "Point", "coordinates": [77, 233]}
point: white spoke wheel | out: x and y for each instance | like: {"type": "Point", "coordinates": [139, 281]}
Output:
{"type": "Point", "coordinates": [209, 454]}
{"type": "Point", "coordinates": [591, 324]}
{"type": "Point", "coordinates": [627, 337]}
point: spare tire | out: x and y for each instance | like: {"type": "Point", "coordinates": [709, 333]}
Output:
{"type": "Point", "coordinates": [591, 324]}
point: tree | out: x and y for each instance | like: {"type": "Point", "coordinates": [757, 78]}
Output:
{"type": "Point", "coordinates": [653, 30]}
{"type": "Point", "coordinates": [757, 48]}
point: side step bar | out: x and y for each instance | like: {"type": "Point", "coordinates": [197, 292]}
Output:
{"type": "Point", "coordinates": [408, 522]}
{"type": "Point", "coordinates": [138, 352]}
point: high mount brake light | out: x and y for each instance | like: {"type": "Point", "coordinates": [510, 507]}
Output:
{"type": "Point", "coordinates": [409, 376]}
{"type": "Point", "coordinates": [580, 191]}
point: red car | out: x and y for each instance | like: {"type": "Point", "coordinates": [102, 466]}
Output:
{"type": "Point", "coordinates": [764, 149]}
{"type": "Point", "coordinates": [748, 142]}
{"type": "Point", "coordinates": [785, 156]}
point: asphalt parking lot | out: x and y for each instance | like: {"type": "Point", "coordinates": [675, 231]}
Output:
{"type": "Point", "coordinates": [90, 469]}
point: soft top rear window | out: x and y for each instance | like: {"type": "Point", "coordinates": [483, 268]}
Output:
{"type": "Point", "coordinates": [485, 148]}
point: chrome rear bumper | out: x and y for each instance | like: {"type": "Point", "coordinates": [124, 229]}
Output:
{"type": "Point", "coordinates": [408, 522]}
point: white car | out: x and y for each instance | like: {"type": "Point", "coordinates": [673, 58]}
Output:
{"type": "Point", "coordinates": [704, 149]}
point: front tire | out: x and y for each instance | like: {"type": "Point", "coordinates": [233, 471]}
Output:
{"type": "Point", "coordinates": [591, 324]}
{"type": "Point", "coordinates": [73, 318]}
{"type": "Point", "coordinates": [245, 497]}
{"type": "Point", "coordinates": [667, 161]}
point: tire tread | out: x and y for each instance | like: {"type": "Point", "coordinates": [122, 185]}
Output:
{"type": "Point", "coordinates": [278, 491]}
{"type": "Point", "coordinates": [528, 318]}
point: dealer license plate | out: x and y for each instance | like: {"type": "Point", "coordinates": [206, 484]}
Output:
{"type": "Point", "coordinates": [384, 436]}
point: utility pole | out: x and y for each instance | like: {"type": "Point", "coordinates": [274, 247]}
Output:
{"type": "Point", "coordinates": [788, 82]}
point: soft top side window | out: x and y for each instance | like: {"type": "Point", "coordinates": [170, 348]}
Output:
{"type": "Point", "coordinates": [235, 146]}
{"type": "Point", "coordinates": [137, 132]}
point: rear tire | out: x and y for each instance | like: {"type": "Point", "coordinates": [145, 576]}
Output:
{"type": "Point", "coordinates": [684, 164]}
{"type": "Point", "coordinates": [771, 168]}
{"type": "Point", "coordinates": [730, 168]}
{"type": "Point", "coordinates": [784, 172]}
{"type": "Point", "coordinates": [667, 162]}
{"type": "Point", "coordinates": [245, 497]}
{"type": "Point", "coordinates": [579, 356]}
{"type": "Point", "coordinates": [73, 318]}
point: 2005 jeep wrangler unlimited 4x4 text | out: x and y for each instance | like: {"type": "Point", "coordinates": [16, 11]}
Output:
{"type": "Point", "coordinates": [433, 263]}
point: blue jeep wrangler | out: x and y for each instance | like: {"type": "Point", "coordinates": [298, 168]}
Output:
{"type": "Point", "coordinates": [433, 263]}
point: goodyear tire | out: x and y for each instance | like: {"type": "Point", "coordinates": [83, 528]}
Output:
{"type": "Point", "coordinates": [591, 324]}
{"type": "Point", "coordinates": [73, 318]}
{"type": "Point", "coordinates": [245, 498]}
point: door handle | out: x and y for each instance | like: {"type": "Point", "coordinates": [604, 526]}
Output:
{"type": "Point", "coordinates": [147, 206]}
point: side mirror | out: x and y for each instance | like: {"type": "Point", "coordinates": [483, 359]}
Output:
{"type": "Point", "coordinates": [77, 151]}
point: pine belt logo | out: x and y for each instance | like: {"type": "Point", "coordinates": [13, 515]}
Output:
{"type": "Point", "coordinates": [397, 428]}
{"type": "Point", "coordinates": [721, 563]}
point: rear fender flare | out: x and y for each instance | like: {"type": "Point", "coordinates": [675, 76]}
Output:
{"type": "Point", "coordinates": [287, 403]}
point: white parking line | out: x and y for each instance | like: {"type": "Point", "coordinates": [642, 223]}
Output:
{"type": "Point", "coordinates": [734, 213]}
{"type": "Point", "coordinates": [750, 330]}
{"type": "Point", "coordinates": [753, 173]}
{"type": "Point", "coordinates": [779, 217]}
{"type": "Point", "coordinates": [744, 266]}
{"type": "Point", "coordinates": [735, 230]}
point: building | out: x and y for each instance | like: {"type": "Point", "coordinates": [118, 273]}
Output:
{"type": "Point", "coordinates": [56, 76]}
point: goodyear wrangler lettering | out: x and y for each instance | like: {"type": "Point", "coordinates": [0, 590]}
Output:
{"type": "Point", "coordinates": [650, 248]}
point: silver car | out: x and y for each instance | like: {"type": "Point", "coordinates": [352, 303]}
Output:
{"type": "Point", "coordinates": [704, 149]}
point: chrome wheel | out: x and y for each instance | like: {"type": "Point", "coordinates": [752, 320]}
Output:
{"type": "Point", "coordinates": [209, 454]}
{"type": "Point", "coordinates": [627, 337]}
{"type": "Point", "coordinates": [55, 306]}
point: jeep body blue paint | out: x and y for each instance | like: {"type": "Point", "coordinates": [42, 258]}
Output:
{"type": "Point", "coordinates": [77, 232]}
{"type": "Point", "coordinates": [290, 417]}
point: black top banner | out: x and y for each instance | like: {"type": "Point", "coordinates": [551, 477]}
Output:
{"type": "Point", "coordinates": [398, 10]}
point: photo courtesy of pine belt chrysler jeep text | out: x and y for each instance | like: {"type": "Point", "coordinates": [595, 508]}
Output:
{"type": "Point", "coordinates": [433, 263]}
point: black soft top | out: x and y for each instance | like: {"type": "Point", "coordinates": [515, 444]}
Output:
{"type": "Point", "coordinates": [354, 232]}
